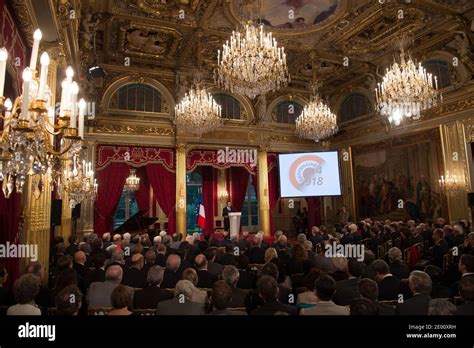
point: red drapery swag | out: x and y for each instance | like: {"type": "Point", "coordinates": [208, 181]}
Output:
{"type": "Point", "coordinates": [111, 181]}
{"type": "Point", "coordinates": [163, 183]}
{"type": "Point", "coordinates": [209, 195]}
{"type": "Point", "coordinates": [273, 193]}
{"type": "Point", "coordinates": [314, 212]}
{"type": "Point", "coordinates": [10, 210]}
{"type": "Point", "coordinates": [143, 194]}
{"type": "Point", "coordinates": [240, 180]}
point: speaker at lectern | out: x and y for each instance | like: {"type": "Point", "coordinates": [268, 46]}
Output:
{"type": "Point", "coordinates": [234, 224]}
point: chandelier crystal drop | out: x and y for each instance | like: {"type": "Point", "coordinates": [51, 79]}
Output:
{"type": "Point", "coordinates": [198, 112]}
{"type": "Point", "coordinates": [251, 63]}
{"type": "Point", "coordinates": [79, 181]}
{"type": "Point", "coordinates": [406, 90]}
{"type": "Point", "coordinates": [132, 184]}
{"type": "Point", "coordinates": [317, 121]}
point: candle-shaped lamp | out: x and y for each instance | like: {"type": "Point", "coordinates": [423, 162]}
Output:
{"type": "Point", "coordinates": [82, 110]}
{"type": "Point", "coordinates": [44, 60]}
{"type": "Point", "coordinates": [8, 106]}
{"type": "Point", "coordinates": [69, 74]}
{"type": "Point", "coordinates": [34, 52]}
{"type": "Point", "coordinates": [64, 92]}
{"type": "Point", "coordinates": [3, 68]}
{"type": "Point", "coordinates": [74, 93]}
{"type": "Point", "coordinates": [27, 76]}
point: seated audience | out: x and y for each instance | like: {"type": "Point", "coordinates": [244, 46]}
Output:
{"type": "Point", "coordinates": [205, 278]}
{"type": "Point", "coordinates": [221, 299]}
{"type": "Point", "coordinates": [324, 288]}
{"type": "Point", "coordinates": [441, 306]}
{"type": "Point", "coordinates": [199, 296]}
{"type": "Point", "coordinates": [369, 289]}
{"type": "Point", "coordinates": [100, 293]}
{"type": "Point", "coordinates": [6, 296]}
{"type": "Point", "coordinates": [231, 276]}
{"type": "Point", "coordinates": [172, 274]}
{"type": "Point", "coordinates": [182, 303]}
{"type": "Point", "coordinates": [363, 306]}
{"type": "Point", "coordinates": [121, 300]}
{"type": "Point", "coordinates": [267, 290]}
{"type": "Point", "coordinates": [151, 295]}
{"type": "Point", "coordinates": [389, 286]}
{"type": "Point", "coordinates": [420, 286]}
{"type": "Point", "coordinates": [347, 290]}
{"type": "Point", "coordinates": [25, 289]}
{"type": "Point", "coordinates": [397, 266]}
{"type": "Point", "coordinates": [68, 301]}
{"type": "Point", "coordinates": [466, 290]}
{"type": "Point", "coordinates": [134, 276]}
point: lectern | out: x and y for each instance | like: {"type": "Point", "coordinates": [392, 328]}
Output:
{"type": "Point", "coordinates": [234, 220]}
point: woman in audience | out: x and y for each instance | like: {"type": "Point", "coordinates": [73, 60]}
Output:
{"type": "Point", "coordinates": [121, 301]}
{"type": "Point", "coordinates": [25, 290]}
{"type": "Point", "coordinates": [298, 260]}
{"type": "Point", "coordinates": [64, 279]}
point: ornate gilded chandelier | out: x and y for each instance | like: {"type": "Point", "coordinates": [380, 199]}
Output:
{"type": "Point", "coordinates": [198, 112]}
{"type": "Point", "coordinates": [317, 121]}
{"type": "Point", "coordinates": [251, 63]}
{"type": "Point", "coordinates": [28, 140]}
{"type": "Point", "coordinates": [78, 181]}
{"type": "Point", "coordinates": [406, 90]}
{"type": "Point", "coordinates": [132, 183]}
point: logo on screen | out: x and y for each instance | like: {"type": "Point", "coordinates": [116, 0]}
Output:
{"type": "Point", "coordinates": [306, 172]}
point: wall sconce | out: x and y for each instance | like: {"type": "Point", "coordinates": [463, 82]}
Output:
{"type": "Point", "coordinates": [223, 195]}
{"type": "Point", "coordinates": [450, 182]}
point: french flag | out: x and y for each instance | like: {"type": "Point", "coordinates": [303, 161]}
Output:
{"type": "Point", "coordinates": [201, 217]}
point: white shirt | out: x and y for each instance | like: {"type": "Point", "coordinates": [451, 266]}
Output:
{"type": "Point", "coordinates": [23, 309]}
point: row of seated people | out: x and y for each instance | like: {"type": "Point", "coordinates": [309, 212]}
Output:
{"type": "Point", "coordinates": [113, 298]}
{"type": "Point", "coordinates": [135, 255]}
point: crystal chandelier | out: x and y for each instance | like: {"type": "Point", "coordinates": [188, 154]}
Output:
{"type": "Point", "coordinates": [78, 181]}
{"type": "Point", "coordinates": [406, 90]}
{"type": "Point", "coordinates": [252, 63]}
{"type": "Point", "coordinates": [132, 183]}
{"type": "Point", "coordinates": [28, 141]}
{"type": "Point", "coordinates": [198, 112]}
{"type": "Point", "coordinates": [317, 121]}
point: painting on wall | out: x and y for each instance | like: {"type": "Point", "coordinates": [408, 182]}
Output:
{"type": "Point", "coordinates": [293, 14]}
{"type": "Point", "coordinates": [399, 179]}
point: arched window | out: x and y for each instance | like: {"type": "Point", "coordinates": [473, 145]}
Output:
{"type": "Point", "coordinates": [288, 112]}
{"type": "Point", "coordinates": [354, 106]}
{"type": "Point", "coordinates": [136, 97]}
{"type": "Point", "coordinates": [230, 106]}
{"type": "Point", "coordinates": [440, 69]}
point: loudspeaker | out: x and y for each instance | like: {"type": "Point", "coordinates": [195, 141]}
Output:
{"type": "Point", "coordinates": [76, 212]}
{"type": "Point", "coordinates": [470, 199]}
{"type": "Point", "coordinates": [56, 212]}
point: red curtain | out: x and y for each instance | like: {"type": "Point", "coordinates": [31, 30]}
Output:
{"type": "Point", "coordinates": [240, 179]}
{"type": "Point", "coordinates": [209, 196]}
{"type": "Point", "coordinates": [163, 183]}
{"type": "Point", "coordinates": [10, 210]}
{"type": "Point", "coordinates": [273, 193]}
{"type": "Point", "coordinates": [111, 180]}
{"type": "Point", "coordinates": [314, 212]}
{"type": "Point", "coordinates": [143, 194]}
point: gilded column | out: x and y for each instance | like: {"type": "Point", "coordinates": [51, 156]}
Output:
{"type": "Point", "coordinates": [222, 193]}
{"type": "Point", "coordinates": [181, 189]}
{"type": "Point", "coordinates": [456, 166]}
{"type": "Point", "coordinates": [263, 199]}
{"type": "Point", "coordinates": [347, 176]}
{"type": "Point", "coordinates": [86, 223]}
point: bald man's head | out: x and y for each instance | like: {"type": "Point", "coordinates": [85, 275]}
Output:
{"type": "Point", "coordinates": [114, 274]}
{"type": "Point", "coordinates": [137, 261]}
{"type": "Point", "coordinates": [173, 262]}
{"type": "Point", "coordinates": [80, 257]}
{"type": "Point", "coordinates": [201, 262]}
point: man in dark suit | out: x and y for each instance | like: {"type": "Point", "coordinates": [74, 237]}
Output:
{"type": "Point", "coordinates": [205, 278]}
{"type": "Point", "coordinates": [228, 258]}
{"type": "Point", "coordinates": [221, 299]}
{"type": "Point", "coordinates": [347, 290]}
{"type": "Point", "coordinates": [73, 245]}
{"type": "Point", "coordinates": [247, 279]}
{"type": "Point", "coordinates": [161, 255]}
{"type": "Point", "coordinates": [420, 286]}
{"type": "Point", "coordinates": [150, 259]}
{"type": "Point", "coordinates": [134, 276]}
{"type": "Point", "coordinates": [231, 276]}
{"type": "Point", "coordinates": [368, 288]}
{"type": "Point", "coordinates": [98, 273]}
{"type": "Point", "coordinates": [267, 289]}
{"type": "Point", "coordinates": [212, 266]}
{"type": "Point", "coordinates": [398, 267]}
{"type": "Point", "coordinates": [243, 243]}
{"type": "Point", "coordinates": [6, 295]}
{"type": "Point", "coordinates": [80, 266]}
{"type": "Point", "coordinates": [225, 213]}
{"type": "Point", "coordinates": [181, 304]}
{"type": "Point", "coordinates": [439, 249]}
{"type": "Point", "coordinates": [150, 296]}
{"type": "Point", "coordinates": [466, 290]}
{"type": "Point", "coordinates": [172, 274]}
{"type": "Point", "coordinates": [437, 289]}
{"type": "Point", "coordinates": [257, 253]}
{"type": "Point", "coordinates": [389, 286]}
